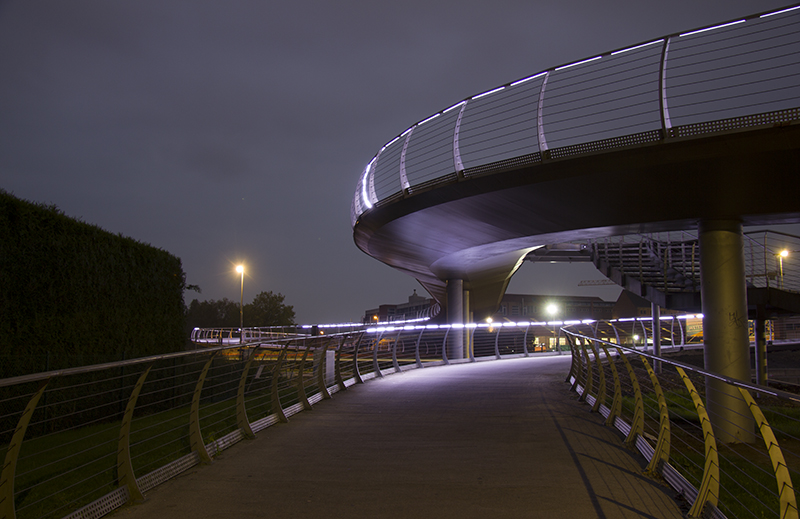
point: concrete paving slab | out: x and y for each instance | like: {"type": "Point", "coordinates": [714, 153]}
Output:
{"type": "Point", "coordinates": [502, 439]}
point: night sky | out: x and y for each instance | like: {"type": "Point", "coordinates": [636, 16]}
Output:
{"type": "Point", "coordinates": [236, 131]}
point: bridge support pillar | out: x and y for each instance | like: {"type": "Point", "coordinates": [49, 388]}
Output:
{"type": "Point", "coordinates": [761, 345]}
{"type": "Point", "coordinates": [467, 320]}
{"type": "Point", "coordinates": [455, 316]}
{"type": "Point", "coordinates": [725, 327]}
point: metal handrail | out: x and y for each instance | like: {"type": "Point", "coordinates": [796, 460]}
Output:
{"type": "Point", "coordinates": [723, 484]}
{"type": "Point", "coordinates": [756, 388]}
{"type": "Point", "coordinates": [264, 382]}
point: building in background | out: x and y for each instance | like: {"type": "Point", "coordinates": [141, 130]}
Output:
{"type": "Point", "coordinates": [528, 307]}
{"type": "Point", "coordinates": [417, 307]}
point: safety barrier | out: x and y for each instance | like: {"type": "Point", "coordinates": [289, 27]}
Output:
{"type": "Point", "coordinates": [81, 442]}
{"type": "Point", "coordinates": [739, 74]}
{"type": "Point", "coordinates": [735, 459]}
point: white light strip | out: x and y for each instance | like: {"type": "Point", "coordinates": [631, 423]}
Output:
{"type": "Point", "coordinates": [712, 28]}
{"type": "Point", "coordinates": [390, 142]}
{"type": "Point", "coordinates": [488, 93]}
{"type": "Point", "coordinates": [406, 132]}
{"type": "Point", "coordinates": [637, 47]}
{"type": "Point", "coordinates": [364, 186]}
{"type": "Point", "coordinates": [579, 63]}
{"type": "Point", "coordinates": [434, 116]}
{"type": "Point", "coordinates": [515, 83]}
{"type": "Point", "coordinates": [454, 107]}
{"type": "Point", "coordinates": [780, 12]}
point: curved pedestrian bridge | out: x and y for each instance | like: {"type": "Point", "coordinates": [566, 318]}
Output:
{"type": "Point", "coordinates": [663, 135]}
{"type": "Point", "coordinates": [489, 439]}
{"type": "Point", "coordinates": [397, 429]}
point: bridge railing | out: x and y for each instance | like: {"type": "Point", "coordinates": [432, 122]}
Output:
{"type": "Point", "coordinates": [736, 458]}
{"type": "Point", "coordinates": [81, 442]}
{"type": "Point", "coordinates": [738, 74]}
{"type": "Point", "coordinates": [670, 261]}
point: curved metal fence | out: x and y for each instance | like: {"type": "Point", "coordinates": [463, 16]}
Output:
{"type": "Point", "coordinates": [81, 442]}
{"type": "Point", "coordinates": [738, 74]}
{"type": "Point", "coordinates": [738, 460]}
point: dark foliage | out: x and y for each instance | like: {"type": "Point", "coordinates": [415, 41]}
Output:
{"type": "Point", "coordinates": [267, 309]}
{"type": "Point", "coordinates": [70, 288]}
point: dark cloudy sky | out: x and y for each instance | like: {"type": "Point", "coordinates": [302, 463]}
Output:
{"type": "Point", "coordinates": [236, 130]}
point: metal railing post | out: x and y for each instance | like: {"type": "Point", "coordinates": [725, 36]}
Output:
{"type": "Point", "coordinates": [277, 408]}
{"type": "Point", "coordinates": [196, 442]}
{"type": "Point", "coordinates": [125, 474]}
{"type": "Point", "coordinates": [601, 393]}
{"type": "Point", "coordinates": [616, 402]}
{"type": "Point", "coordinates": [12, 454]}
{"type": "Point", "coordinates": [338, 368]}
{"type": "Point", "coordinates": [321, 367]}
{"type": "Point", "coordinates": [241, 412]}
{"type": "Point", "coordinates": [786, 495]}
{"type": "Point", "coordinates": [301, 382]}
{"type": "Point", "coordinates": [708, 493]}
{"type": "Point", "coordinates": [661, 454]}
{"type": "Point", "coordinates": [589, 382]}
{"type": "Point", "coordinates": [356, 372]}
{"type": "Point", "coordinates": [376, 368]}
{"type": "Point", "coordinates": [637, 424]}
{"type": "Point", "coordinates": [395, 364]}
{"type": "Point", "coordinates": [416, 348]}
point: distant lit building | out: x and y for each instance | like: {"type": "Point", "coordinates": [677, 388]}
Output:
{"type": "Point", "coordinates": [417, 307]}
{"type": "Point", "coordinates": [519, 307]}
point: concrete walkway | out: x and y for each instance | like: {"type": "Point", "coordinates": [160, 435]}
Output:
{"type": "Point", "coordinates": [490, 439]}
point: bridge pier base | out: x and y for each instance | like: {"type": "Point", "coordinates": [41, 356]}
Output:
{"type": "Point", "coordinates": [725, 327]}
{"type": "Point", "coordinates": [455, 316]}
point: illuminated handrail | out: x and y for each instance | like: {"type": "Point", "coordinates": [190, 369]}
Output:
{"type": "Point", "coordinates": [145, 420]}
{"type": "Point", "coordinates": [738, 74]}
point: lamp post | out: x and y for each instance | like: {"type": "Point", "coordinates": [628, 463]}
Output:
{"type": "Point", "coordinates": [552, 310]}
{"type": "Point", "coordinates": [783, 254]}
{"type": "Point", "coordinates": [240, 270]}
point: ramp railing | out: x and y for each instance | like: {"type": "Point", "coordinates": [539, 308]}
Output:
{"type": "Point", "coordinates": [736, 457]}
{"type": "Point", "coordinates": [81, 442]}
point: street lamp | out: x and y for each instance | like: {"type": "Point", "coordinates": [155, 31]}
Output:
{"type": "Point", "coordinates": [783, 254]}
{"type": "Point", "coordinates": [552, 310]}
{"type": "Point", "coordinates": [240, 270]}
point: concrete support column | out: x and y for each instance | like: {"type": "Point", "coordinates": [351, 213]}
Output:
{"type": "Point", "coordinates": [455, 316]}
{"type": "Point", "coordinates": [761, 345]}
{"type": "Point", "coordinates": [655, 311]}
{"type": "Point", "coordinates": [467, 320]}
{"type": "Point", "coordinates": [725, 327]}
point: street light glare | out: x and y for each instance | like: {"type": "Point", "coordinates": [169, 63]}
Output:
{"type": "Point", "coordinates": [784, 253]}
{"type": "Point", "coordinates": [240, 269]}
{"type": "Point", "coordinates": [552, 309]}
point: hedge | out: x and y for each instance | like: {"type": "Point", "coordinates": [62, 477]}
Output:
{"type": "Point", "coordinates": [68, 288]}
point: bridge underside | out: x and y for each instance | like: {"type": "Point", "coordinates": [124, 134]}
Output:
{"type": "Point", "coordinates": [480, 229]}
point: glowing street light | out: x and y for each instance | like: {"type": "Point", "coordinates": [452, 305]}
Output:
{"type": "Point", "coordinates": [783, 254]}
{"type": "Point", "coordinates": [240, 270]}
{"type": "Point", "coordinates": [552, 311]}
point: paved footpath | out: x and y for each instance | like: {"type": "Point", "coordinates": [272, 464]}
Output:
{"type": "Point", "coordinates": [488, 439]}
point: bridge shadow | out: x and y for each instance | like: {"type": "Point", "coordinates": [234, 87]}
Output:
{"type": "Point", "coordinates": [490, 439]}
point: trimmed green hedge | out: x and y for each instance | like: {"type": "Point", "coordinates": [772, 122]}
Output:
{"type": "Point", "coordinates": [70, 288]}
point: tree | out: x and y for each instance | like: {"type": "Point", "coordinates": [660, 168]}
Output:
{"type": "Point", "coordinates": [267, 309]}
{"type": "Point", "coordinates": [213, 314]}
